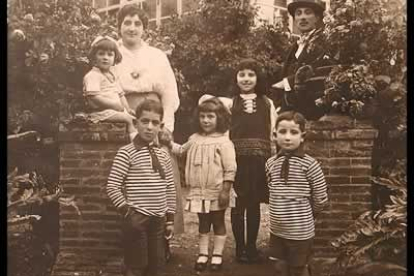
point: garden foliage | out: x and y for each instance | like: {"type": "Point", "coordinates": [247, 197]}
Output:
{"type": "Point", "coordinates": [376, 244]}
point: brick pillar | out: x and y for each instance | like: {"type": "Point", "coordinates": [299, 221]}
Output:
{"type": "Point", "coordinates": [344, 148]}
{"type": "Point", "coordinates": [89, 243]}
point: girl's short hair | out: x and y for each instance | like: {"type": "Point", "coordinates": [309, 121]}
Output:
{"type": "Point", "coordinates": [106, 45]}
{"type": "Point", "coordinates": [216, 106]}
{"type": "Point", "coordinates": [254, 65]}
{"type": "Point", "coordinates": [291, 115]}
{"type": "Point", "coordinates": [149, 105]}
{"type": "Point", "coordinates": [131, 10]}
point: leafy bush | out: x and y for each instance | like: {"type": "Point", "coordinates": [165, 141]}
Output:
{"type": "Point", "coordinates": [29, 189]}
{"type": "Point", "coordinates": [48, 43]}
{"type": "Point", "coordinates": [376, 243]}
{"type": "Point", "coordinates": [368, 40]}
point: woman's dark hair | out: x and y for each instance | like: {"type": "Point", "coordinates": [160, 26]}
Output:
{"type": "Point", "coordinates": [131, 10]}
{"type": "Point", "coordinates": [297, 117]}
{"type": "Point", "coordinates": [216, 106]}
{"type": "Point", "coordinates": [149, 105]}
{"type": "Point", "coordinates": [106, 45]}
{"type": "Point", "coordinates": [252, 64]}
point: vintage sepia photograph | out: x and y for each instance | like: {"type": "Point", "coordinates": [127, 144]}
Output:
{"type": "Point", "coordinates": [207, 137]}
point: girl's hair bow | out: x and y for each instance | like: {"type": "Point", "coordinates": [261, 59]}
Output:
{"type": "Point", "coordinates": [227, 102]}
{"type": "Point", "coordinates": [100, 38]}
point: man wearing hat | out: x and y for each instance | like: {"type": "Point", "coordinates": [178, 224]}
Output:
{"type": "Point", "coordinates": [297, 90]}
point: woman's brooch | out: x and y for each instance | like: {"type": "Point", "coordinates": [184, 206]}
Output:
{"type": "Point", "coordinates": [135, 75]}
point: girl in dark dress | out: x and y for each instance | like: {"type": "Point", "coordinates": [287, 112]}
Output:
{"type": "Point", "coordinates": [252, 124]}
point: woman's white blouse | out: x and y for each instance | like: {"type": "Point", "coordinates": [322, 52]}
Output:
{"type": "Point", "coordinates": [148, 69]}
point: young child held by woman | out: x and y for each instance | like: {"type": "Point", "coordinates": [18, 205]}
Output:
{"type": "Point", "coordinates": [298, 192]}
{"type": "Point", "coordinates": [103, 93]}
{"type": "Point", "coordinates": [209, 172]}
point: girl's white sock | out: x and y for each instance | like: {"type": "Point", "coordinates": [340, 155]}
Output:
{"type": "Point", "coordinates": [203, 247]}
{"type": "Point", "coordinates": [219, 242]}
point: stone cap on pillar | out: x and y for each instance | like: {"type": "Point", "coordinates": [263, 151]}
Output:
{"type": "Point", "coordinates": [92, 132]}
{"type": "Point", "coordinates": [337, 127]}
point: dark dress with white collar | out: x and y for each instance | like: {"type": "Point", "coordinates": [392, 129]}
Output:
{"type": "Point", "coordinates": [250, 133]}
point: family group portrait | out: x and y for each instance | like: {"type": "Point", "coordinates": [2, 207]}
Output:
{"type": "Point", "coordinates": [207, 137]}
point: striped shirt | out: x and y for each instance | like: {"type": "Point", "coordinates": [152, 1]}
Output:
{"type": "Point", "coordinates": [133, 182]}
{"type": "Point", "coordinates": [292, 203]}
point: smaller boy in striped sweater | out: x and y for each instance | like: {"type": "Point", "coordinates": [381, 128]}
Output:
{"type": "Point", "coordinates": [297, 193]}
{"type": "Point", "coordinates": [141, 187]}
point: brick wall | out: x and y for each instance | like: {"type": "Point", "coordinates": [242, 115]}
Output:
{"type": "Point", "coordinates": [90, 242]}
{"type": "Point", "coordinates": [344, 147]}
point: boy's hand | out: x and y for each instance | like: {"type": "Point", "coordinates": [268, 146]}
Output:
{"type": "Point", "coordinates": [169, 231]}
{"type": "Point", "coordinates": [125, 210]}
{"type": "Point", "coordinates": [224, 198]}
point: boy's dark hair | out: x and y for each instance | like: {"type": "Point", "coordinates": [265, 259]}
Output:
{"type": "Point", "coordinates": [131, 10]}
{"type": "Point", "coordinates": [252, 64]}
{"type": "Point", "coordinates": [297, 117]}
{"type": "Point", "coordinates": [216, 106]}
{"type": "Point", "coordinates": [106, 45]}
{"type": "Point", "coordinates": [149, 105]}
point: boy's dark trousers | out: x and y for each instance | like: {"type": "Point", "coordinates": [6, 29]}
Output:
{"type": "Point", "coordinates": [144, 244]}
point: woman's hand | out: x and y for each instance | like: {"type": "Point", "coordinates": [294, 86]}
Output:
{"type": "Point", "coordinates": [131, 111]}
{"type": "Point", "coordinates": [165, 137]}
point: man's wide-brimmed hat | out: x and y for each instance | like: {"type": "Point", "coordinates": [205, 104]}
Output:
{"type": "Point", "coordinates": [316, 5]}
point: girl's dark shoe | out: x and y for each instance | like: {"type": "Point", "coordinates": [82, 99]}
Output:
{"type": "Point", "coordinates": [201, 266]}
{"type": "Point", "coordinates": [241, 257]}
{"type": "Point", "coordinates": [217, 267]}
{"type": "Point", "coordinates": [255, 257]}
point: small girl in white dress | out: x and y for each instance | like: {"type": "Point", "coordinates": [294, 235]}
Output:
{"type": "Point", "coordinates": [103, 93]}
{"type": "Point", "coordinates": [210, 171]}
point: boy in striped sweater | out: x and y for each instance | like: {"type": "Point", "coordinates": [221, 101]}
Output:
{"type": "Point", "coordinates": [298, 192]}
{"type": "Point", "coordinates": [141, 186]}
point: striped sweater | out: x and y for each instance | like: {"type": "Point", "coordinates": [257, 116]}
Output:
{"type": "Point", "coordinates": [293, 203]}
{"type": "Point", "coordinates": [133, 182]}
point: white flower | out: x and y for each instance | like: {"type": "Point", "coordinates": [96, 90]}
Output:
{"type": "Point", "coordinates": [29, 17]}
{"type": "Point", "coordinates": [318, 102]}
{"type": "Point", "coordinates": [44, 58]}
{"type": "Point", "coordinates": [18, 35]}
{"type": "Point", "coordinates": [335, 104]}
{"type": "Point", "coordinates": [360, 104]}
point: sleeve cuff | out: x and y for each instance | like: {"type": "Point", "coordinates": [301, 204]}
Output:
{"type": "Point", "coordinates": [170, 217]}
{"type": "Point", "coordinates": [286, 84]}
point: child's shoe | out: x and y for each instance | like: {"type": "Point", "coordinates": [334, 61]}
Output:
{"type": "Point", "coordinates": [254, 256]}
{"type": "Point", "coordinates": [216, 262]}
{"type": "Point", "coordinates": [201, 263]}
{"type": "Point", "coordinates": [241, 256]}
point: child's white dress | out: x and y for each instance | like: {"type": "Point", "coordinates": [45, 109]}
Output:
{"type": "Point", "coordinates": [211, 160]}
{"type": "Point", "coordinates": [96, 83]}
